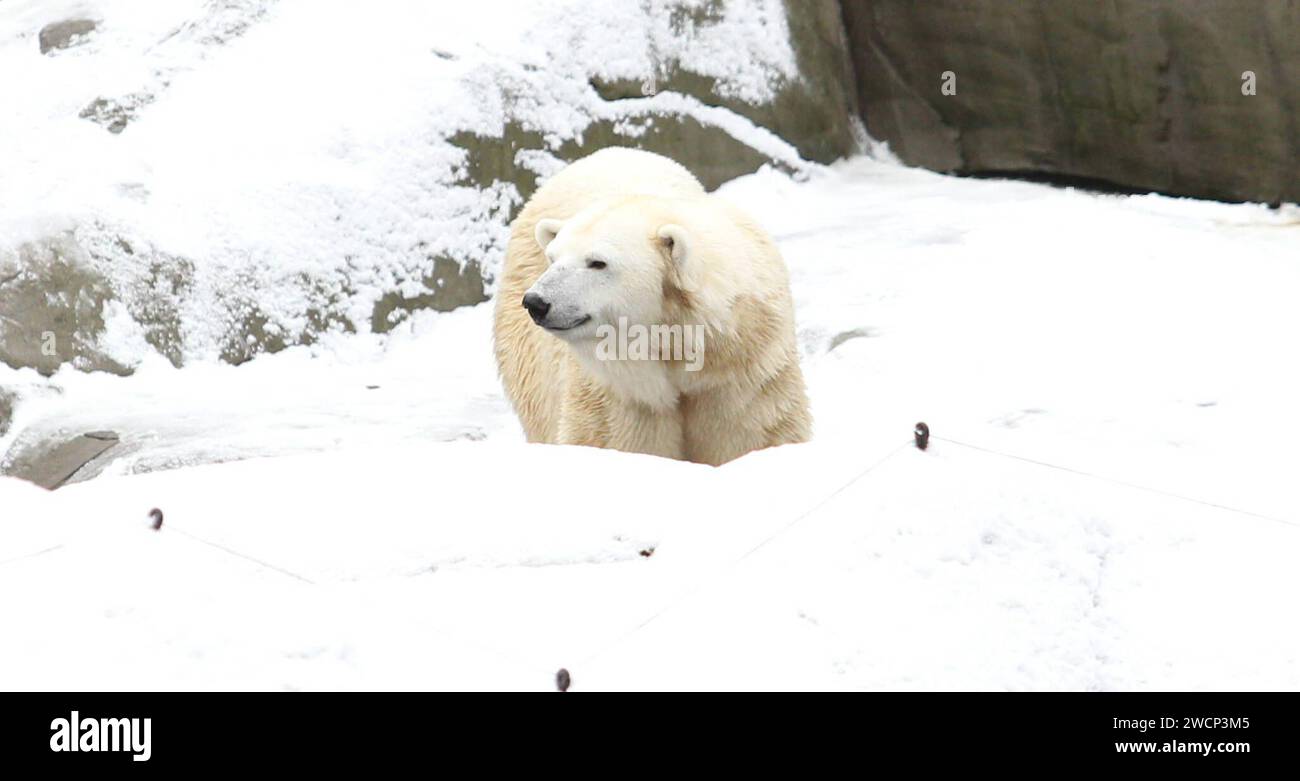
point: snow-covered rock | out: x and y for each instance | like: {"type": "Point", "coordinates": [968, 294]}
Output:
{"type": "Point", "coordinates": [234, 177]}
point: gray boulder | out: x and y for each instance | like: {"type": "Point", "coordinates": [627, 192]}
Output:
{"type": "Point", "coordinates": [56, 463]}
{"type": "Point", "coordinates": [61, 35]}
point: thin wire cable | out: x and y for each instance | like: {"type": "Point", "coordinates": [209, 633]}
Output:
{"type": "Point", "coordinates": [237, 554]}
{"type": "Point", "coordinates": [1116, 481]}
{"type": "Point", "coordinates": [718, 573]}
{"type": "Point", "coordinates": [447, 634]}
{"type": "Point", "coordinates": [31, 555]}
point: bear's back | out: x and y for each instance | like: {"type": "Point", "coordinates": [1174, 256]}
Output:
{"type": "Point", "coordinates": [610, 172]}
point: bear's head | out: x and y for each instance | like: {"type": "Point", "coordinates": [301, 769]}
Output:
{"type": "Point", "coordinates": [626, 258]}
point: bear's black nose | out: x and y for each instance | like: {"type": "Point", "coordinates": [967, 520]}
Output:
{"type": "Point", "coordinates": [536, 306]}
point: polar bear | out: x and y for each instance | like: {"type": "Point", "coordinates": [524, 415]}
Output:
{"type": "Point", "coordinates": [625, 240]}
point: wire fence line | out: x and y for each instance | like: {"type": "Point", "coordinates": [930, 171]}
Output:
{"type": "Point", "coordinates": [717, 574]}
{"type": "Point", "coordinates": [32, 555]}
{"type": "Point", "coordinates": [1117, 481]}
{"type": "Point", "coordinates": [726, 568]}
{"type": "Point", "coordinates": [244, 556]}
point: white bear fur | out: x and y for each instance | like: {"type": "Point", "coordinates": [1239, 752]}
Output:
{"type": "Point", "coordinates": [673, 255]}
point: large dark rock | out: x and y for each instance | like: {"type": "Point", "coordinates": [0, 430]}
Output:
{"type": "Point", "coordinates": [61, 35]}
{"type": "Point", "coordinates": [1145, 94]}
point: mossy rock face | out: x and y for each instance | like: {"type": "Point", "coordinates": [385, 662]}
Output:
{"type": "Point", "coordinates": [7, 401]}
{"type": "Point", "coordinates": [251, 331]}
{"type": "Point", "coordinates": [490, 159]}
{"type": "Point", "coordinates": [250, 334]}
{"type": "Point", "coordinates": [447, 286]}
{"type": "Point", "coordinates": [52, 308]}
{"type": "Point", "coordinates": [54, 293]}
{"type": "Point", "coordinates": [153, 286]}
{"type": "Point", "coordinates": [157, 312]}
{"type": "Point", "coordinates": [813, 113]}
{"type": "Point", "coordinates": [711, 153]}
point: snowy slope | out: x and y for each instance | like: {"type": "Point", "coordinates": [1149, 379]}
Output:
{"type": "Point", "coordinates": [935, 570]}
{"type": "Point", "coordinates": [1138, 345]}
{"type": "Point", "coordinates": [290, 159]}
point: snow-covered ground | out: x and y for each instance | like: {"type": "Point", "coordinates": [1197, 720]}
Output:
{"type": "Point", "coordinates": [1141, 340]}
{"type": "Point", "coordinates": [1108, 502]}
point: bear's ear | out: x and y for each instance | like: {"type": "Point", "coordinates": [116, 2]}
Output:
{"type": "Point", "coordinates": [677, 242]}
{"type": "Point", "coordinates": [546, 231]}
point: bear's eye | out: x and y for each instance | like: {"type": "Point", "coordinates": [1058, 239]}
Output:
{"type": "Point", "coordinates": [596, 264]}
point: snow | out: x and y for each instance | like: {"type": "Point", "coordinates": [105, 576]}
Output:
{"type": "Point", "coordinates": [1107, 502]}
{"type": "Point", "coordinates": [1127, 338]}
{"type": "Point", "coordinates": [432, 379]}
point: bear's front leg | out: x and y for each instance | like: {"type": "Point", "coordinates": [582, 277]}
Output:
{"type": "Point", "coordinates": [718, 428]}
{"type": "Point", "coordinates": [638, 428]}
{"type": "Point", "coordinates": [726, 421]}
{"type": "Point", "coordinates": [591, 415]}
